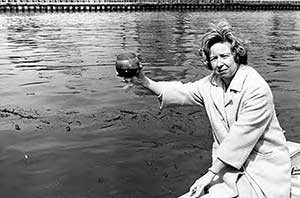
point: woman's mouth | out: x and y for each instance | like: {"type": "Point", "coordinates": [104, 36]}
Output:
{"type": "Point", "coordinates": [221, 70]}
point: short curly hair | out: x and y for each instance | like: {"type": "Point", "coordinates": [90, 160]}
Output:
{"type": "Point", "coordinates": [222, 33]}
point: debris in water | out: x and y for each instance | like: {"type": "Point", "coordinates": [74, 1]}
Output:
{"type": "Point", "coordinates": [128, 112]}
{"type": "Point", "coordinates": [17, 127]}
{"type": "Point", "coordinates": [100, 180]}
{"type": "Point", "coordinates": [68, 128]}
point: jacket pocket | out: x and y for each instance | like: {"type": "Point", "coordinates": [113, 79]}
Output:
{"type": "Point", "coordinates": [262, 153]}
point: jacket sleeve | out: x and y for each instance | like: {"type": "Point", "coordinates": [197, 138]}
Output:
{"type": "Point", "coordinates": [253, 120]}
{"type": "Point", "coordinates": [178, 94]}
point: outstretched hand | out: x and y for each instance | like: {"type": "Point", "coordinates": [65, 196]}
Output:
{"type": "Point", "coordinates": [138, 79]}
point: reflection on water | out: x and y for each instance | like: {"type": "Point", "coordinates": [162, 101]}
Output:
{"type": "Point", "coordinates": [73, 53]}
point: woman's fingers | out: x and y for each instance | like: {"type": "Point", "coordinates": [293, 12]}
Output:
{"type": "Point", "coordinates": [195, 190]}
{"type": "Point", "coordinates": [135, 80]}
{"type": "Point", "coordinates": [192, 191]}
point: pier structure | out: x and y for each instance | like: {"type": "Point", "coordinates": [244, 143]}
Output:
{"type": "Point", "coordinates": [143, 5]}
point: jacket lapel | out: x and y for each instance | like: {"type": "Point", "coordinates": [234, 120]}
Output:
{"type": "Point", "coordinates": [217, 95]}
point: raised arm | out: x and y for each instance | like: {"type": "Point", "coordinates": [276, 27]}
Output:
{"type": "Point", "coordinates": [172, 93]}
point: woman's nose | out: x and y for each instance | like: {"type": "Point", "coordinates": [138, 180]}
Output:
{"type": "Point", "coordinates": [219, 62]}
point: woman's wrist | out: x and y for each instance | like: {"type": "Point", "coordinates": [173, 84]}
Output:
{"type": "Point", "coordinates": [143, 79]}
{"type": "Point", "coordinates": [210, 175]}
{"type": "Point", "coordinates": [212, 171]}
{"type": "Point", "coordinates": [217, 166]}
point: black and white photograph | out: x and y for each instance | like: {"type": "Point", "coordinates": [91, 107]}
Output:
{"type": "Point", "coordinates": [150, 98]}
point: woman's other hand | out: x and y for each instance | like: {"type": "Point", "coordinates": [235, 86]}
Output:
{"type": "Point", "coordinates": [197, 189]}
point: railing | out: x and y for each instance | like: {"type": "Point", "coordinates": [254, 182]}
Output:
{"type": "Point", "coordinates": [274, 2]}
{"type": "Point", "coordinates": [135, 5]}
{"type": "Point", "coordinates": [112, 1]}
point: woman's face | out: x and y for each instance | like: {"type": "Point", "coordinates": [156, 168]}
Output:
{"type": "Point", "coordinates": [222, 61]}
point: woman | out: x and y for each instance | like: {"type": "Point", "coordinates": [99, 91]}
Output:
{"type": "Point", "coordinates": [250, 156]}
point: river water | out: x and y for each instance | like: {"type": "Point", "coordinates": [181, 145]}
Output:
{"type": "Point", "coordinates": [65, 61]}
{"type": "Point", "coordinates": [46, 57]}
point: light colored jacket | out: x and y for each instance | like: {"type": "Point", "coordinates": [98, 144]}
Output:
{"type": "Point", "coordinates": [247, 134]}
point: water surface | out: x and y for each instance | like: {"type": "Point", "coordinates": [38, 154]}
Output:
{"type": "Point", "coordinates": [45, 57]}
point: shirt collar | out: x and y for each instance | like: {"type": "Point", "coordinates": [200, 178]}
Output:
{"type": "Point", "coordinates": [237, 81]}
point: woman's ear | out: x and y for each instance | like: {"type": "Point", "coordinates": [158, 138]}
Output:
{"type": "Point", "coordinates": [236, 57]}
{"type": "Point", "coordinates": [204, 60]}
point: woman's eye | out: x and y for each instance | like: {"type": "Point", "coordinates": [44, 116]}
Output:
{"type": "Point", "coordinates": [212, 59]}
{"type": "Point", "coordinates": [225, 55]}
